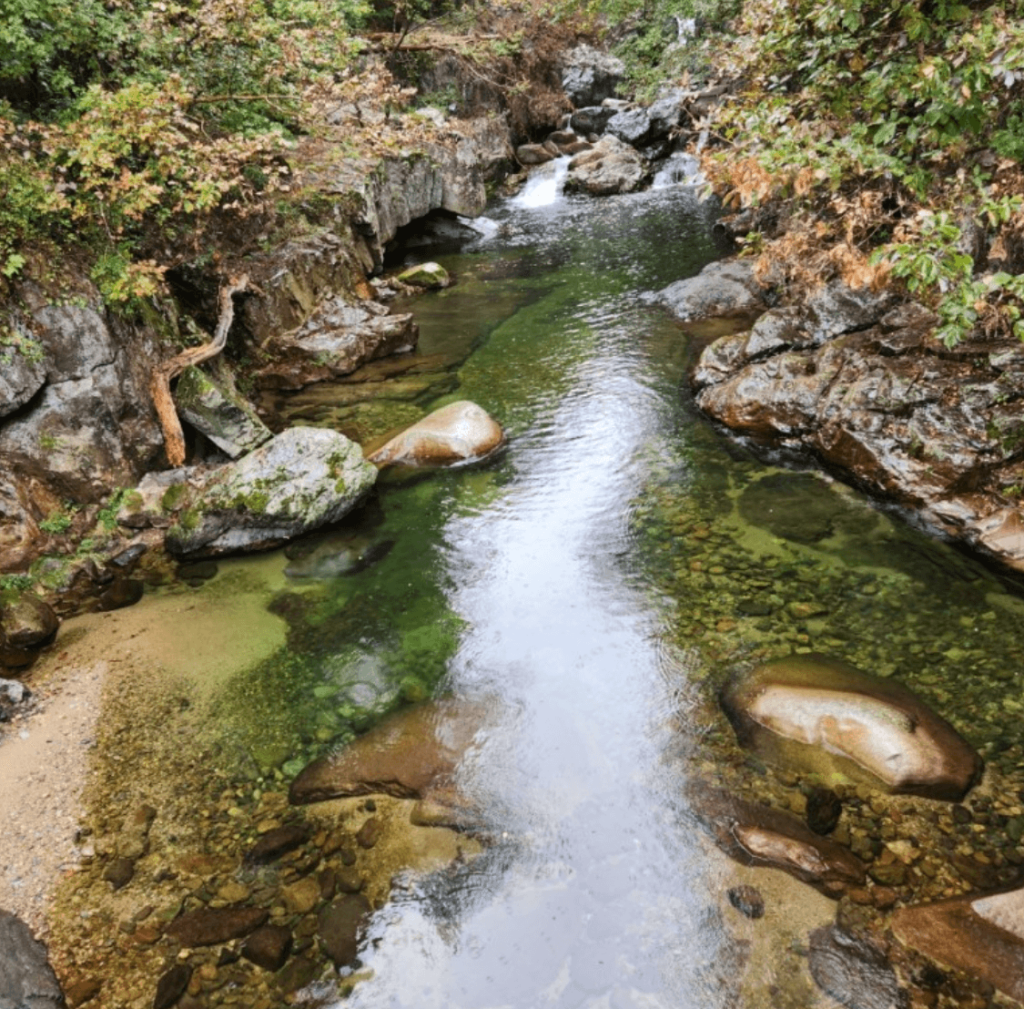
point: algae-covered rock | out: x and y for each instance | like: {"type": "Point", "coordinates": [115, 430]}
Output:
{"type": "Point", "coordinates": [458, 433]}
{"type": "Point", "coordinates": [428, 275]}
{"type": "Point", "coordinates": [412, 754]}
{"type": "Point", "coordinates": [220, 412]}
{"type": "Point", "coordinates": [27, 623]}
{"type": "Point", "coordinates": [302, 479]}
{"type": "Point", "coordinates": [820, 715]}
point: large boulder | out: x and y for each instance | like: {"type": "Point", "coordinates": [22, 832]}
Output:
{"type": "Point", "coordinates": [631, 126]}
{"type": "Point", "coordinates": [27, 980]}
{"type": "Point", "coordinates": [302, 479]}
{"type": "Point", "coordinates": [722, 288]}
{"type": "Point", "coordinates": [458, 433]}
{"type": "Point", "coordinates": [26, 624]}
{"type": "Point", "coordinates": [983, 935]}
{"type": "Point", "coordinates": [591, 120]}
{"type": "Point", "coordinates": [411, 754]}
{"type": "Point", "coordinates": [590, 76]}
{"type": "Point", "coordinates": [609, 167]}
{"type": "Point", "coordinates": [820, 715]}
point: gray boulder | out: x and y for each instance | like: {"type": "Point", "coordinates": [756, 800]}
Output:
{"type": "Point", "coordinates": [27, 980]}
{"type": "Point", "coordinates": [22, 373]}
{"type": "Point", "coordinates": [212, 405]}
{"type": "Point", "coordinates": [665, 114]}
{"type": "Point", "coordinates": [631, 126]}
{"type": "Point", "coordinates": [302, 479]}
{"type": "Point", "coordinates": [722, 288]}
{"type": "Point", "coordinates": [609, 167]}
{"type": "Point", "coordinates": [820, 715]}
{"type": "Point", "coordinates": [590, 76]}
{"type": "Point", "coordinates": [336, 339]}
{"type": "Point", "coordinates": [591, 120]}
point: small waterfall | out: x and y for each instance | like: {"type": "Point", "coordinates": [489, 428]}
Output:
{"type": "Point", "coordinates": [679, 169]}
{"type": "Point", "coordinates": [544, 186]}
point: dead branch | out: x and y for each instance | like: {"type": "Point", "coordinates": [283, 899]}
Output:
{"type": "Point", "coordinates": [165, 373]}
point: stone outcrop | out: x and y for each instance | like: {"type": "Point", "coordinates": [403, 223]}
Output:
{"type": "Point", "coordinates": [337, 338]}
{"type": "Point", "coordinates": [412, 754]}
{"type": "Point", "coordinates": [821, 715]}
{"type": "Point", "coordinates": [866, 388]}
{"type": "Point", "coordinates": [302, 479]}
{"type": "Point", "coordinates": [458, 433]}
{"type": "Point", "coordinates": [983, 935]}
{"type": "Point", "coordinates": [590, 76]}
{"type": "Point", "coordinates": [26, 979]}
{"type": "Point", "coordinates": [609, 167]}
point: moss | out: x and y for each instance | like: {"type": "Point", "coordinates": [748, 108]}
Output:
{"type": "Point", "coordinates": [188, 521]}
{"type": "Point", "coordinates": [172, 497]}
{"type": "Point", "coordinates": [132, 501]}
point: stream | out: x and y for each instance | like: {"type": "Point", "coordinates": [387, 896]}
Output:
{"type": "Point", "coordinates": [593, 585]}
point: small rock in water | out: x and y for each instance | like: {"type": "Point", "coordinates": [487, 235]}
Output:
{"type": "Point", "coordinates": [339, 926]}
{"type": "Point", "coordinates": [171, 986]}
{"type": "Point", "coordinates": [747, 900]}
{"type": "Point", "coordinates": [277, 842]}
{"type": "Point", "coordinates": [119, 873]}
{"type": "Point", "coordinates": [268, 947]}
{"type": "Point", "coordinates": [824, 808]}
{"type": "Point", "coordinates": [210, 926]}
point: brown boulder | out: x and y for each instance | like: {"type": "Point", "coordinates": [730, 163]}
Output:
{"type": "Point", "coordinates": [981, 935]}
{"type": "Point", "coordinates": [821, 715]}
{"type": "Point", "coordinates": [760, 836]}
{"type": "Point", "coordinates": [457, 433]}
{"type": "Point", "coordinates": [410, 754]}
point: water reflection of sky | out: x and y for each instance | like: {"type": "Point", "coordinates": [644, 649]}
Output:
{"type": "Point", "coordinates": [596, 897]}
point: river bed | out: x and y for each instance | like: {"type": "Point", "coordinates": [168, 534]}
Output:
{"type": "Point", "coordinates": [592, 585]}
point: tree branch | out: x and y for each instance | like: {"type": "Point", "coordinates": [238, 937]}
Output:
{"type": "Point", "coordinates": [163, 374]}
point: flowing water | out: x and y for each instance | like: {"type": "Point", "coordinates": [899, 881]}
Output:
{"type": "Point", "coordinates": [591, 584]}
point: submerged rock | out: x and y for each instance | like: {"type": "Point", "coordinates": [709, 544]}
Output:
{"type": "Point", "coordinates": [853, 971]}
{"type": "Point", "coordinates": [609, 167]}
{"type": "Point", "coordinates": [27, 980]}
{"type": "Point", "coordinates": [411, 754]}
{"type": "Point", "coordinates": [303, 479]}
{"type": "Point", "coordinates": [760, 836]}
{"type": "Point", "coordinates": [340, 926]}
{"type": "Point", "coordinates": [210, 926]}
{"type": "Point", "coordinates": [458, 433]}
{"type": "Point", "coordinates": [338, 554]}
{"type": "Point", "coordinates": [821, 715]}
{"type": "Point", "coordinates": [983, 935]}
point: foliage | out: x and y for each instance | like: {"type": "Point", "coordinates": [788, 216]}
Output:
{"type": "Point", "coordinates": [860, 114]}
{"type": "Point", "coordinates": [57, 522]}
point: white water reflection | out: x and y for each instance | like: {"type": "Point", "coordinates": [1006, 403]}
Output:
{"type": "Point", "coordinates": [596, 898]}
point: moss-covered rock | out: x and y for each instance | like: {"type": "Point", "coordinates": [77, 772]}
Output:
{"type": "Point", "coordinates": [302, 479]}
{"type": "Point", "coordinates": [428, 275]}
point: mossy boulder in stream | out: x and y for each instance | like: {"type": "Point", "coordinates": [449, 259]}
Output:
{"type": "Point", "coordinates": [302, 479]}
{"type": "Point", "coordinates": [820, 715]}
{"type": "Point", "coordinates": [429, 275]}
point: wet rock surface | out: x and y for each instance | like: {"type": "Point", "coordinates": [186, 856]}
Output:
{"type": "Point", "coordinates": [212, 405]}
{"type": "Point", "coordinates": [26, 979]}
{"type": "Point", "coordinates": [590, 76]}
{"type": "Point", "coordinates": [854, 971]}
{"type": "Point", "coordinates": [815, 713]}
{"type": "Point", "coordinates": [458, 433]}
{"type": "Point", "coordinates": [610, 166]}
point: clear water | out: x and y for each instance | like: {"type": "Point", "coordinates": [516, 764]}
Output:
{"type": "Point", "coordinates": [617, 556]}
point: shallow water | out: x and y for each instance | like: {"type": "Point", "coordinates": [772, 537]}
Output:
{"type": "Point", "coordinates": [592, 583]}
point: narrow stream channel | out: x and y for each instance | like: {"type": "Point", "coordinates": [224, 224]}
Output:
{"type": "Point", "coordinates": [596, 897]}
